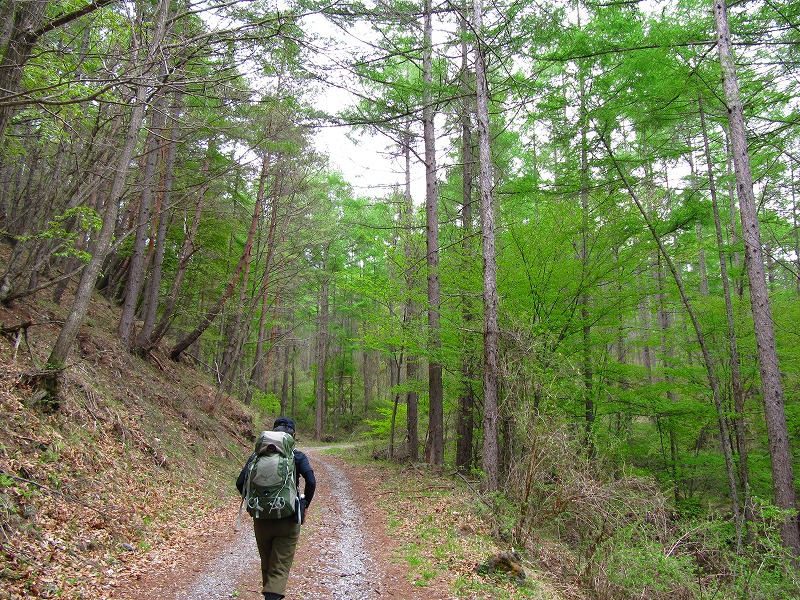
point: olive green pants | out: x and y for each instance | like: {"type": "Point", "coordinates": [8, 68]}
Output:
{"type": "Point", "coordinates": [277, 541]}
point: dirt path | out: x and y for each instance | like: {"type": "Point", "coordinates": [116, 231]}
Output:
{"type": "Point", "coordinates": [344, 553]}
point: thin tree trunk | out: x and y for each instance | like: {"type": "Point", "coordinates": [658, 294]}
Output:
{"type": "Point", "coordinates": [235, 341]}
{"type": "Point", "coordinates": [395, 365]}
{"type": "Point", "coordinates": [435, 385]}
{"type": "Point", "coordinates": [322, 343]}
{"type": "Point", "coordinates": [702, 266]}
{"type": "Point", "coordinates": [465, 417]}
{"type": "Point", "coordinates": [285, 382]}
{"type": "Point", "coordinates": [412, 363]}
{"type": "Point", "coordinates": [150, 308]}
{"type": "Point", "coordinates": [736, 258]}
{"type": "Point", "coordinates": [244, 262]}
{"type": "Point", "coordinates": [28, 17]}
{"type": "Point", "coordinates": [736, 379]}
{"type": "Point", "coordinates": [187, 249]}
{"type": "Point", "coordinates": [772, 388]}
{"type": "Point", "coordinates": [724, 438]}
{"type": "Point", "coordinates": [258, 371]}
{"type": "Point", "coordinates": [584, 299]}
{"type": "Point", "coordinates": [796, 227]}
{"type": "Point", "coordinates": [365, 358]}
{"type": "Point", "coordinates": [136, 271]}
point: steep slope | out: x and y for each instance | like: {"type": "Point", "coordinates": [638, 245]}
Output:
{"type": "Point", "coordinates": [123, 462]}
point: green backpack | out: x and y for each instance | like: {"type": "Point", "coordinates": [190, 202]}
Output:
{"type": "Point", "coordinates": [270, 491]}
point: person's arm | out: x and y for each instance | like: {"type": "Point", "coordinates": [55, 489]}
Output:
{"type": "Point", "coordinates": [304, 470]}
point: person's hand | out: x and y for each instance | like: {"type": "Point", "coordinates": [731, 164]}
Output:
{"type": "Point", "coordinates": [303, 509]}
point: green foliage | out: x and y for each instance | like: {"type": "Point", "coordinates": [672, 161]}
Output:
{"type": "Point", "coordinates": [381, 428]}
{"type": "Point", "coordinates": [349, 422]}
{"type": "Point", "coordinates": [265, 403]}
{"type": "Point", "coordinates": [632, 563]}
{"type": "Point", "coordinates": [67, 229]}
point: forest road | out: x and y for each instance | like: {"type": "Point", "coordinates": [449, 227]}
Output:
{"type": "Point", "coordinates": [344, 552]}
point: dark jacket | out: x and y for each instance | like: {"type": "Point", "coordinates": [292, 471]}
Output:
{"type": "Point", "coordinates": [302, 469]}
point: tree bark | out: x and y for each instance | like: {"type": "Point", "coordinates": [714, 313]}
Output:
{"type": "Point", "coordinates": [410, 312]}
{"type": "Point", "coordinates": [150, 308]}
{"type": "Point", "coordinates": [491, 333]}
{"type": "Point", "coordinates": [322, 359]}
{"type": "Point", "coordinates": [736, 378]}
{"type": "Point", "coordinates": [28, 16]}
{"type": "Point", "coordinates": [584, 300]}
{"type": "Point", "coordinates": [465, 416]}
{"type": "Point", "coordinates": [136, 271]}
{"type": "Point", "coordinates": [187, 249]}
{"type": "Point", "coordinates": [771, 385]}
{"type": "Point", "coordinates": [435, 385]}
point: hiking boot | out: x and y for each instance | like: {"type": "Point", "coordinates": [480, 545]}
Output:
{"type": "Point", "coordinates": [272, 596]}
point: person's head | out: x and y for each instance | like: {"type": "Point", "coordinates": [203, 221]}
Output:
{"type": "Point", "coordinates": [284, 424]}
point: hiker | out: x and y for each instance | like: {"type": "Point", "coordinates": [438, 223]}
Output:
{"type": "Point", "coordinates": [277, 537]}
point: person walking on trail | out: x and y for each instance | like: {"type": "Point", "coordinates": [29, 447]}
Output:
{"type": "Point", "coordinates": [278, 509]}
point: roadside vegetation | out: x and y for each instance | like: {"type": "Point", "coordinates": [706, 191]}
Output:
{"type": "Point", "coordinates": [130, 458]}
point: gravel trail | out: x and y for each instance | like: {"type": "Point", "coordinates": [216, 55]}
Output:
{"type": "Point", "coordinates": [345, 552]}
{"type": "Point", "coordinates": [338, 564]}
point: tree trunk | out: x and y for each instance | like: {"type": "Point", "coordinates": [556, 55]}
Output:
{"type": "Point", "coordinates": [322, 343]}
{"type": "Point", "coordinates": [164, 211]}
{"type": "Point", "coordinates": [587, 372]}
{"type": "Point", "coordinates": [736, 258]}
{"type": "Point", "coordinates": [285, 378]}
{"type": "Point", "coordinates": [736, 379]}
{"type": "Point", "coordinates": [238, 333]}
{"type": "Point", "coordinates": [491, 333]}
{"type": "Point", "coordinates": [713, 381]}
{"type": "Point", "coordinates": [772, 388]}
{"type": "Point", "coordinates": [435, 391]}
{"type": "Point", "coordinates": [796, 227]}
{"type": "Point", "coordinates": [187, 249]}
{"type": "Point", "coordinates": [28, 16]}
{"type": "Point", "coordinates": [412, 363]}
{"type": "Point", "coordinates": [136, 271]}
{"type": "Point", "coordinates": [465, 417]}
{"type": "Point", "coordinates": [244, 262]}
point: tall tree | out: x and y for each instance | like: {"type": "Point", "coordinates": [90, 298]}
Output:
{"type": "Point", "coordinates": [771, 385]}
{"type": "Point", "coordinates": [491, 333]}
{"type": "Point", "coordinates": [63, 345]}
{"type": "Point", "coordinates": [465, 416]}
{"type": "Point", "coordinates": [435, 384]}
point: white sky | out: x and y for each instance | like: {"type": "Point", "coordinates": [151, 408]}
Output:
{"type": "Point", "coordinates": [366, 160]}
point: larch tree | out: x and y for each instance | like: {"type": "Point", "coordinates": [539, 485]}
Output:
{"type": "Point", "coordinates": [771, 385]}
{"type": "Point", "coordinates": [491, 332]}
{"type": "Point", "coordinates": [435, 384]}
